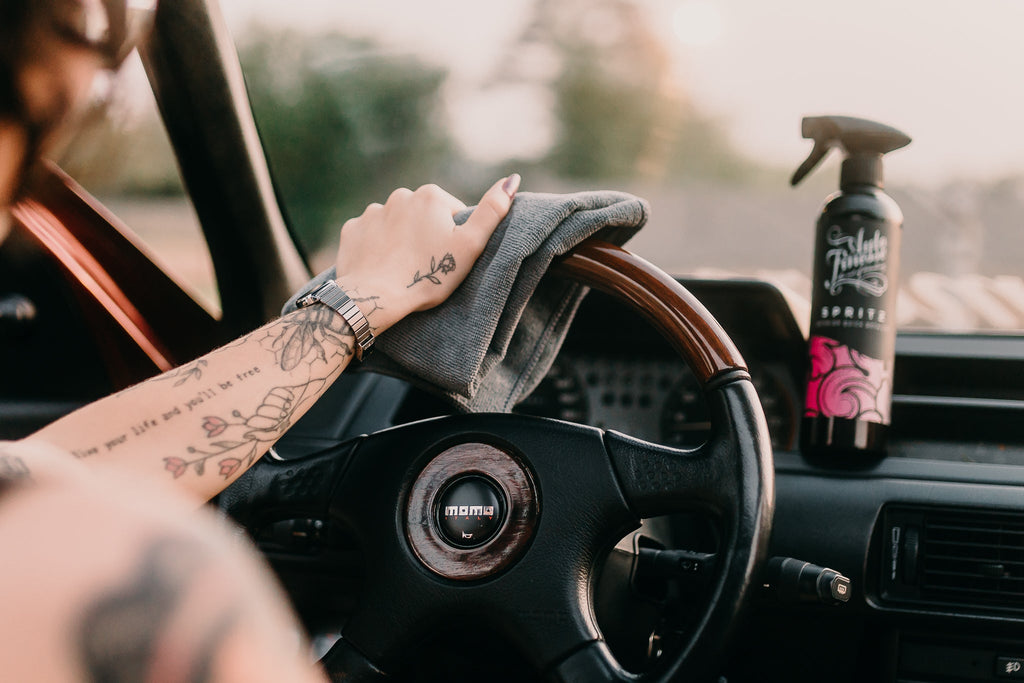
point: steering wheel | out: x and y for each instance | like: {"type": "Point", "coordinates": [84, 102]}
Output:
{"type": "Point", "coordinates": [497, 522]}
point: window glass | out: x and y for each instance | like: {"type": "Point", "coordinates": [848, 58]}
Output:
{"type": "Point", "coordinates": [122, 156]}
{"type": "Point", "coordinates": [694, 104]}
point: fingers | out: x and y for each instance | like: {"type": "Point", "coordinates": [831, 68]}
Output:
{"type": "Point", "coordinates": [493, 206]}
{"type": "Point", "coordinates": [429, 194]}
{"type": "Point", "coordinates": [408, 255]}
{"type": "Point", "coordinates": [436, 194]}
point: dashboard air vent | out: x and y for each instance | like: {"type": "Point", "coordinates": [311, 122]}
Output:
{"type": "Point", "coordinates": [954, 557]}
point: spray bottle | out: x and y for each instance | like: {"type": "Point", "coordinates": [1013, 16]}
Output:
{"type": "Point", "coordinates": [851, 347]}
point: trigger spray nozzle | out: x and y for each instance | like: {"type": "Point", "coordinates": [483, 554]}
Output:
{"type": "Point", "coordinates": [864, 142]}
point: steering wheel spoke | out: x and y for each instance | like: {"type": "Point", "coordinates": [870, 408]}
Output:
{"type": "Point", "coordinates": [591, 663]}
{"type": "Point", "coordinates": [279, 489]}
{"type": "Point", "coordinates": [659, 480]}
{"type": "Point", "coordinates": [345, 663]}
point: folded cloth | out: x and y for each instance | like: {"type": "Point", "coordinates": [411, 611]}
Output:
{"type": "Point", "coordinates": [494, 339]}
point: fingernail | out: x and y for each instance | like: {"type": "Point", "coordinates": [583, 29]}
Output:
{"type": "Point", "coordinates": [511, 184]}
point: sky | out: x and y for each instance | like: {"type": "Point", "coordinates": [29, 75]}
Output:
{"type": "Point", "coordinates": [945, 72]}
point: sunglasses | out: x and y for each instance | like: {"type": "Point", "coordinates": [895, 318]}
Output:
{"type": "Point", "coordinates": [112, 28]}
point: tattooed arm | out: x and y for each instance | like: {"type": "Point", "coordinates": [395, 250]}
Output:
{"type": "Point", "coordinates": [203, 424]}
{"type": "Point", "coordinates": [154, 591]}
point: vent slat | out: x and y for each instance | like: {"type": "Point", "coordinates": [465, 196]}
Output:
{"type": "Point", "coordinates": [972, 528]}
{"type": "Point", "coordinates": [980, 555]}
{"type": "Point", "coordinates": [993, 546]}
{"type": "Point", "coordinates": [966, 549]}
{"type": "Point", "coordinates": [972, 575]}
{"type": "Point", "coordinates": [983, 566]}
{"type": "Point", "coordinates": [973, 537]}
{"type": "Point", "coordinates": [994, 595]}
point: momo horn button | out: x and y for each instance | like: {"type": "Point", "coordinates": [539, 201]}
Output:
{"type": "Point", "coordinates": [470, 511]}
{"type": "Point", "coordinates": [478, 476]}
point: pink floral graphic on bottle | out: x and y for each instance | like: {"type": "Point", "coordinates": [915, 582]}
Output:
{"type": "Point", "coordinates": [845, 383]}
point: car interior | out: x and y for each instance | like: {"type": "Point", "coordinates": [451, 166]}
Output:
{"type": "Point", "coordinates": [660, 520]}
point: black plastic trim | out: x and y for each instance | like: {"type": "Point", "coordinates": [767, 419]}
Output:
{"type": "Point", "coordinates": [195, 74]}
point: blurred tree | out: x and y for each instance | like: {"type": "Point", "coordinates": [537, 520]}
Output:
{"type": "Point", "coordinates": [621, 113]}
{"type": "Point", "coordinates": [340, 122]}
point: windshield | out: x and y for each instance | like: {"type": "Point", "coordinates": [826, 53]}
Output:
{"type": "Point", "coordinates": [693, 104]}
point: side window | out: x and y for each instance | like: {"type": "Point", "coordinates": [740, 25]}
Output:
{"type": "Point", "coordinates": [83, 310]}
{"type": "Point", "coordinates": [121, 155]}
{"type": "Point", "coordinates": [695, 105]}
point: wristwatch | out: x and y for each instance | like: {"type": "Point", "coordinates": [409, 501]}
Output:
{"type": "Point", "coordinates": [331, 295]}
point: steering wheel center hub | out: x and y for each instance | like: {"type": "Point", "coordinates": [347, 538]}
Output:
{"type": "Point", "coordinates": [471, 511]}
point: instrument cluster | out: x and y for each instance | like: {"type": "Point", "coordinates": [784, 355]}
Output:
{"type": "Point", "coordinates": [657, 399]}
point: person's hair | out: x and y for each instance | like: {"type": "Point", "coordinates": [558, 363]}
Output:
{"type": "Point", "coordinates": [14, 22]}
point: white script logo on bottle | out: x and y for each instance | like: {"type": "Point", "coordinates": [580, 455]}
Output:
{"type": "Point", "coordinates": [857, 262]}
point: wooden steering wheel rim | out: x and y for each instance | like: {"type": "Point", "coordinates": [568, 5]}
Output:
{"type": "Point", "coordinates": [674, 312]}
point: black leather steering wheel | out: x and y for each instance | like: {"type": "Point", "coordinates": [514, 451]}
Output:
{"type": "Point", "coordinates": [562, 495]}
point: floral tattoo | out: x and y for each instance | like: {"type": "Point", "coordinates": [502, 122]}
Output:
{"type": "Point", "coordinates": [238, 437]}
{"type": "Point", "coordinates": [233, 441]}
{"type": "Point", "coordinates": [444, 266]}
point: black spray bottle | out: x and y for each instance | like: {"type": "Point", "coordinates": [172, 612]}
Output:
{"type": "Point", "coordinates": [851, 347]}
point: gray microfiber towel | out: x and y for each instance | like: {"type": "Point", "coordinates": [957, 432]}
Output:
{"type": "Point", "coordinates": [492, 342]}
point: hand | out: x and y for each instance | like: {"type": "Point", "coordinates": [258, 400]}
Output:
{"type": "Point", "coordinates": [409, 255]}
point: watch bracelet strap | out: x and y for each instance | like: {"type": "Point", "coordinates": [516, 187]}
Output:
{"type": "Point", "coordinates": [333, 296]}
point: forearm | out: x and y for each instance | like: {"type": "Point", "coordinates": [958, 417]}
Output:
{"type": "Point", "coordinates": [205, 423]}
{"type": "Point", "coordinates": [202, 425]}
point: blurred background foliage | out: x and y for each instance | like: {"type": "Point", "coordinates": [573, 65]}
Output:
{"type": "Point", "coordinates": [621, 113]}
{"type": "Point", "coordinates": [342, 119]}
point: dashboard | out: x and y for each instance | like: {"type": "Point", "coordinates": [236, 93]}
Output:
{"type": "Point", "coordinates": [653, 398]}
{"type": "Point", "coordinates": [931, 537]}
{"type": "Point", "coordinates": [649, 393]}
